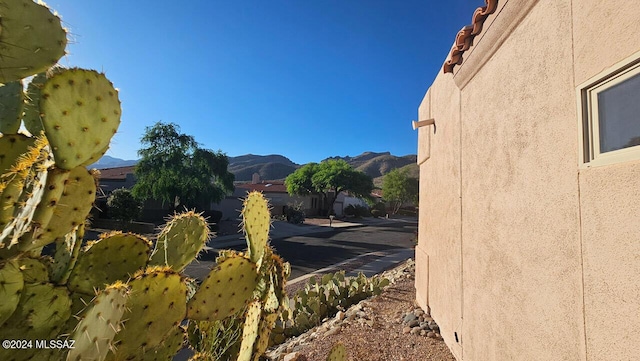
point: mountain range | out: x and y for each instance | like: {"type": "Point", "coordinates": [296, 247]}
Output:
{"type": "Point", "coordinates": [278, 167]}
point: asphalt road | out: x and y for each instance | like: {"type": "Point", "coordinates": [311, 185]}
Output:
{"type": "Point", "coordinates": [315, 251]}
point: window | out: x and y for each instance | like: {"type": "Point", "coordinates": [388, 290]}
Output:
{"type": "Point", "coordinates": [610, 116]}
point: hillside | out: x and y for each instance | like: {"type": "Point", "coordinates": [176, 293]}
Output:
{"type": "Point", "coordinates": [270, 167]}
{"type": "Point", "coordinates": [377, 165]}
{"type": "Point", "coordinates": [277, 167]}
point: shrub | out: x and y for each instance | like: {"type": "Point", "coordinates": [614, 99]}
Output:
{"type": "Point", "coordinates": [294, 213]}
{"type": "Point", "coordinates": [123, 206]}
{"type": "Point", "coordinates": [376, 213]}
{"type": "Point", "coordinates": [357, 211]}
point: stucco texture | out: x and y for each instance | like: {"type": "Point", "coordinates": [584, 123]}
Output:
{"type": "Point", "coordinates": [610, 203]}
{"type": "Point", "coordinates": [439, 229]}
{"type": "Point", "coordinates": [604, 32]}
{"type": "Point", "coordinates": [520, 214]}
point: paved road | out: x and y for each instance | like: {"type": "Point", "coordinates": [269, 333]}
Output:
{"type": "Point", "coordinates": [315, 251]}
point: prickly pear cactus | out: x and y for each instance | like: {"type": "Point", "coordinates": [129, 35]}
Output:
{"type": "Point", "coordinates": [78, 107]}
{"type": "Point", "coordinates": [116, 256]}
{"type": "Point", "coordinates": [256, 222]}
{"type": "Point", "coordinates": [338, 353]}
{"type": "Point", "coordinates": [11, 105]}
{"type": "Point", "coordinates": [180, 241]}
{"type": "Point", "coordinates": [12, 283]}
{"type": "Point", "coordinates": [156, 305]}
{"type": "Point", "coordinates": [227, 288]}
{"type": "Point", "coordinates": [32, 39]}
{"type": "Point", "coordinates": [250, 331]}
{"type": "Point", "coordinates": [104, 296]}
{"type": "Point", "coordinates": [99, 324]}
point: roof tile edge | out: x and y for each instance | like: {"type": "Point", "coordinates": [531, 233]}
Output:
{"type": "Point", "coordinates": [464, 38]}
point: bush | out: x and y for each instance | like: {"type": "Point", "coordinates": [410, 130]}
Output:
{"type": "Point", "coordinates": [356, 211]}
{"type": "Point", "coordinates": [376, 213]}
{"type": "Point", "coordinates": [378, 210]}
{"type": "Point", "coordinates": [294, 213]}
{"type": "Point", "coordinates": [123, 206]}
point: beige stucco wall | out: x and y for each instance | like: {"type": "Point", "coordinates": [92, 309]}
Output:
{"type": "Point", "coordinates": [522, 253]}
{"type": "Point", "coordinates": [610, 195]}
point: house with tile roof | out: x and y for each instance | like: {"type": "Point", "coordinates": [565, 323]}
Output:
{"type": "Point", "coordinates": [529, 154]}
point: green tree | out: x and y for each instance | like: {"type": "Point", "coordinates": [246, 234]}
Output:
{"type": "Point", "coordinates": [398, 188]}
{"type": "Point", "coordinates": [174, 169]}
{"type": "Point", "coordinates": [123, 206]}
{"type": "Point", "coordinates": [328, 179]}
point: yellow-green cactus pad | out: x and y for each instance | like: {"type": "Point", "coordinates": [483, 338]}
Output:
{"type": "Point", "coordinates": [41, 313]}
{"type": "Point", "coordinates": [11, 105]}
{"type": "Point", "coordinates": [256, 222]}
{"type": "Point", "coordinates": [66, 255]}
{"type": "Point", "coordinates": [70, 211]}
{"type": "Point", "coordinates": [116, 256]}
{"type": "Point", "coordinates": [33, 270]}
{"type": "Point", "coordinates": [32, 39]}
{"type": "Point", "coordinates": [267, 322]}
{"type": "Point", "coordinates": [168, 348]}
{"type": "Point", "coordinates": [80, 112]}
{"type": "Point", "coordinates": [226, 290]}
{"type": "Point", "coordinates": [250, 331]}
{"type": "Point", "coordinates": [11, 284]}
{"type": "Point", "coordinates": [156, 305]}
{"type": "Point", "coordinates": [338, 353]}
{"type": "Point", "coordinates": [95, 332]}
{"type": "Point", "coordinates": [180, 241]}
{"type": "Point", "coordinates": [31, 117]}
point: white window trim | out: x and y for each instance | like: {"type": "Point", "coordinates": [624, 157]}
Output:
{"type": "Point", "coordinates": [588, 125]}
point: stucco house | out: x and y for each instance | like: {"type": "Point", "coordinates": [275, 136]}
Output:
{"type": "Point", "coordinates": [529, 228]}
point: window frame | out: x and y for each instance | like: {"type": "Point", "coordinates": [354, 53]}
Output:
{"type": "Point", "coordinates": [589, 126]}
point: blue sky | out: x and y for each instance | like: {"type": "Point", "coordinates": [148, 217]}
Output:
{"type": "Point", "coordinates": [307, 79]}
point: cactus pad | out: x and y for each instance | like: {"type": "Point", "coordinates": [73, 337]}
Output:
{"type": "Point", "coordinates": [33, 270]}
{"type": "Point", "coordinates": [11, 284]}
{"type": "Point", "coordinates": [31, 117]}
{"type": "Point", "coordinates": [156, 305]}
{"type": "Point", "coordinates": [256, 222]}
{"type": "Point", "coordinates": [338, 353]}
{"type": "Point", "coordinates": [67, 251]}
{"type": "Point", "coordinates": [42, 312]}
{"type": "Point", "coordinates": [22, 187]}
{"type": "Point", "coordinates": [72, 208]}
{"type": "Point", "coordinates": [227, 288]}
{"type": "Point", "coordinates": [11, 105]}
{"type": "Point", "coordinates": [250, 331]}
{"type": "Point", "coordinates": [180, 240]}
{"type": "Point", "coordinates": [267, 323]}
{"type": "Point", "coordinates": [166, 350]}
{"type": "Point", "coordinates": [116, 256]}
{"type": "Point", "coordinates": [95, 332]}
{"type": "Point", "coordinates": [11, 183]}
{"type": "Point", "coordinates": [80, 112]}
{"type": "Point", "coordinates": [53, 190]}
{"type": "Point", "coordinates": [32, 39]}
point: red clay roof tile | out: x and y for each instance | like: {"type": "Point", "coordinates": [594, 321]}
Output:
{"type": "Point", "coordinates": [464, 38]}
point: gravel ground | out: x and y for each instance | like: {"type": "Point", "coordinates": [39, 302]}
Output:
{"type": "Point", "coordinates": [378, 333]}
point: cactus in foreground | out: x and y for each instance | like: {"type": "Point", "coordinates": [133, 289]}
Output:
{"type": "Point", "coordinates": [110, 296]}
